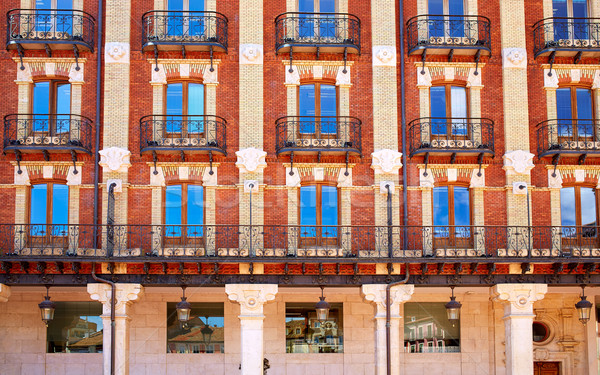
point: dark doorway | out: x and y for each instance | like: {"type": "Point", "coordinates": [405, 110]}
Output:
{"type": "Point", "coordinates": [546, 368]}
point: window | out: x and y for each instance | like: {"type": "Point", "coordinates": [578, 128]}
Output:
{"type": "Point", "coordinates": [578, 211]}
{"type": "Point", "coordinates": [451, 216]}
{"type": "Point", "coordinates": [48, 212]}
{"type": "Point", "coordinates": [448, 108]}
{"type": "Point", "coordinates": [319, 215]}
{"type": "Point", "coordinates": [51, 107]}
{"type": "Point", "coordinates": [184, 213]}
{"type": "Point", "coordinates": [318, 108]}
{"type": "Point", "coordinates": [49, 20]}
{"type": "Point", "coordinates": [306, 334]}
{"type": "Point", "coordinates": [182, 23]}
{"type": "Point", "coordinates": [575, 112]}
{"type": "Point", "coordinates": [540, 332]}
{"type": "Point", "coordinates": [570, 29]}
{"type": "Point", "coordinates": [319, 25]}
{"type": "Point", "coordinates": [203, 333]}
{"type": "Point", "coordinates": [440, 336]}
{"type": "Point", "coordinates": [453, 27]}
{"type": "Point", "coordinates": [184, 109]}
{"type": "Point", "coordinates": [76, 328]}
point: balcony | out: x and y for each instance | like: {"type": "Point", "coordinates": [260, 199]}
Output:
{"type": "Point", "coordinates": [48, 133]}
{"type": "Point", "coordinates": [435, 135]}
{"type": "Point", "coordinates": [576, 37]}
{"type": "Point", "coordinates": [280, 242]}
{"type": "Point", "coordinates": [570, 136]}
{"type": "Point", "coordinates": [447, 35]}
{"type": "Point", "coordinates": [321, 32]}
{"type": "Point", "coordinates": [164, 133]}
{"type": "Point", "coordinates": [56, 29]}
{"type": "Point", "coordinates": [299, 134]}
{"type": "Point", "coordinates": [184, 30]}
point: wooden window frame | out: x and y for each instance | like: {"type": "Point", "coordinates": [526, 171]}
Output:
{"type": "Point", "coordinates": [575, 110]}
{"type": "Point", "coordinates": [452, 241]}
{"type": "Point", "coordinates": [53, 87]}
{"type": "Point", "coordinates": [580, 239]}
{"type": "Point", "coordinates": [47, 239]}
{"type": "Point", "coordinates": [448, 97]}
{"type": "Point", "coordinates": [183, 240]}
{"type": "Point", "coordinates": [317, 134]}
{"type": "Point", "coordinates": [184, 107]}
{"type": "Point", "coordinates": [318, 240]}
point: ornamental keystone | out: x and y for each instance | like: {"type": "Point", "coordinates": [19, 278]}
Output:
{"type": "Point", "coordinates": [386, 161]}
{"type": "Point", "coordinates": [251, 160]}
{"type": "Point", "coordinates": [115, 159]}
{"type": "Point", "coordinates": [518, 162]}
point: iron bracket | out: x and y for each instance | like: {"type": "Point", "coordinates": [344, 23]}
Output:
{"type": "Point", "coordinates": [183, 52]}
{"type": "Point", "coordinates": [74, 160]}
{"type": "Point", "coordinates": [76, 53]}
{"type": "Point", "coordinates": [479, 161]}
{"type": "Point", "coordinates": [318, 156]}
{"type": "Point", "coordinates": [18, 157]}
{"type": "Point", "coordinates": [578, 57]}
{"type": "Point", "coordinates": [453, 158]}
{"type": "Point", "coordinates": [451, 55]}
{"type": "Point", "coordinates": [154, 159]}
{"type": "Point", "coordinates": [210, 160]}
{"type": "Point", "coordinates": [212, 69]}
{"type": "Point", "coordinates": [555, 160]}
{"type": "Point", "coordinates": [347, 159]}
{"type": "Point", "coordinates": [21, 53]}
{"type": "Point", "coordinates": [156, 59]}
{"type": "Point", "coordinates": [426, 162]}
{"type": "Point", "coordinates": [474, 267]}
{"type": "Point", "coordinates": [440, 268]}
{"type": "Point", "coordinates": [477, 57]}
{"type": "Point", "coordinates": [48, 50]}
{"type": "Point", "coordinates": [291, 70]}
{"type": "Point", "coordinates": [318, 53]}
{"type": "Point", "coordinates": [46, 155]}
{"type": "Point", "coordinates": [345, 60]}
{"type": "Point", "coordinates": [551, 59]}
{"type": "Point", "coordinates": [292, 163]}
{"type": "Point", "coordinates": [423, 59]}
{"type": "Point", "coordinates": [182, 154]}
{"type": "Point", "coordinates": [582, 158]}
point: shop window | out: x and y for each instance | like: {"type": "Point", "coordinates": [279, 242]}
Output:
{"type": "Point", "coordinates": [575, 113]}
{"type": "Point", "coordinates": [449, 112]}
{"type": "Point", "coordinates": [306, 334]}
{"type": "Point", "coordinates": [184, 212]}
{"type": "Point", "coordinates": [319, 215]}
{"type": "Point", "coordinates": [48, 212]}
{"type": "Point", "coordinates": [51, 108]}
{"type": "Point", "coordinates": [184, 107]}
{"type": "Point", "coordinates": [76, 328]}
{"type": "Point", "coordinates": [427, 329]}
{"type": "Point", "coordinates": [452, 216]}
{"type": "Point", "coordinates": [203, 333]}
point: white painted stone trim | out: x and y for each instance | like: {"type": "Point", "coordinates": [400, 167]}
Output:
{"type": "Point", "coordinates": [251, 160]}
{"type": "Point", "coordinates": [251, 54]}
{"type": "Point", "coordinates": [518, 162]}
{"type": "Point", "coordinates": [514, 58]}
{"type": "Point", "coordinates": [72, 178]}
{"type": "Point", "coordinates": [23, 178]}
{"type": "Point", "coordinates": [384, 56]}
{"type": "Point", "coordinates": [115, 159]}
{"type": "Point", "coordinates": [116, 53]}
{"type": "Point", "coordinates": [386, 161]}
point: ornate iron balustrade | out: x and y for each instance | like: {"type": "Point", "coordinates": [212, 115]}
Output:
{"type": "Point", "coordinates": [568, 136]}
{"type": "Point", "coordinates": [566, 34]}
{"type": "Point", "coordinates": [294, 241]}
{"type": "Point", "coordinates": [48, 132]}
{"type": "Point", "coordinates": [437, 134]}
{"type": "Point", "coordinates": [297, 29]}
{"type": "Point", "coordinates": [192, 133]}
{"type": "Point", "coordinates": [55, 26]}
{"type": "Point", "coordinates": [448, 32]}
{"type": "Point", "coordinates": [189, 28]}
{"type": "Point", "coordinates": [318, 133]}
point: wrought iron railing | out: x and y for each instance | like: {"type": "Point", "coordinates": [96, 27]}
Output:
{"type": "Point", "coordinates": [163, 132]}
{"type": "Point", "coordinates": [318, 133]}
{"type": "Point", "coordinates": [445, 31]}
{"type": "Point", "coordinates": [568, 136]}
{"type": "Point", "coordinates": [169, 27]}
{"type": "Point", "coordinates": [437, 134]}
{"type": "Point", "coordinates": [317, 30]}
{"type": "Point", "coordinates": [295, 241]}
{"type": "Point", "coordinates": [47, 132]}
{"type": "Point", "coordinates": [62, 26]}
{"type": "Point", "coordinates": [570, 34]}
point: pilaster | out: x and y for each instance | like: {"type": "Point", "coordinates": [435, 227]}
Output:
{"type": "Point", "coordinates": [251, 298]}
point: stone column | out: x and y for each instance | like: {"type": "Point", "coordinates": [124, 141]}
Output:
{"type": "Point", "coordinates": [251, 298]}
{"type": "Point", "coordinates": [518, 317]}
{"type": "Point", "coordinates": [126, 294]}
{"type": "Point", "coordinates": [375, 293]}
{"type": "Point", "coordinates": [4, 292]}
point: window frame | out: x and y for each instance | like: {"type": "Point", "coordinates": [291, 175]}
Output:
{"type": "Point", "coordinates": [318, 134]}
{"type": "Point", "coordinates": [184, 107]}
{"type": "Point", "coordinates": [580, 239]}
{"type": "Point", "coordinates": [48, 239]}
{"type": "Point", "coordinates": [317, 6]}
{"type": "Point", "coordinates": [318, 239]}
{"type": "Point", "coordinates": [183, 239]}
{"type": "Point", "coordinates": [446, 5]}
{"type": "Point", "coordinates": [452, 240]}
{"type": "Point", "coordinates": [448, 98]}
{"type": "Point", "coordinates": [186, 5]}
{"type": "Point", "coordinates": [52, 104]}
{"type": "Point", "coordinates": [570, 8]}
{"type": "Point", "coordinates": [575, 110]}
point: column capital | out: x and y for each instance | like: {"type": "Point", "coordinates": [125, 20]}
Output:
{"type": "Point", "coordinates": [399, 294]}
{"type": "Point", "coordinates": [518, 298]}
{"type": "Point", "coordinates": [251, 297]}
{"type": "Point", "coordinates": [125, 295]}
{"type": "Point", "coordinates": [4, 292]}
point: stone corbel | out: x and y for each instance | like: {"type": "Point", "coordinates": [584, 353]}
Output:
{"type": "Point", "coordinates": [386, 161]}
{"type": "Point", "coordinates": [251, 54]}
{"type": "Point", "coordinates": [251, 160]}
{"type": "Point", "coordinates": [24, 76]}
{"type": "Point", "coordinates": [474, 81]}
{"type": "Point", "coordinates": [159, 77]}
{"type": "Point", "coordinates": [115, 159]}
{"type": "Point", "coordinates": [550, 82]}
{"type": "Point", "coordinates": [209, 179]}
{"type": "Point", "coordinates": [211, 78]}
{"type": "Point", "coordinates": [343, 180]}
{"type": "Point", "coordinates": [4, 292]}
{"type": "Point", "coordinates": [423, 80]}
{"type": "Point", "coordinates": [518, 162]}
{"type": "Point", "coordinates": [384, 56]}
{"type": "Point", "coordinates": [125, 295]}
{"type": "Point", "coordinates": [293, 78]}
{"type": "Point", "coordinates": [426, 181]}
{"type": "Point", "coordinates": [76, 76]}
{"type": "Point", "coordinates": [251, 297]}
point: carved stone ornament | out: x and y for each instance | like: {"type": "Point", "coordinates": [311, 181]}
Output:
{"type": "Point", "coordinates": [72, 178]}
{"type": "Point", "coordinates": [4, 292]}
{"type": "Point", "coordinates": [23, 178]}
{"type": "Point", "coordinates": [550, 82]}
{"type": "Point", "coordinates": [517, 188]}
{"type": "Point", "coordinates": [76, 76]}
{"type": "Point", "coordinates": [209, 77]}
{"type": "Point", "coordinates": [294, 179]}
{"type": "Point", "coordinates": [125, 295]}
{"type": "Point", "coordinates": [519, 297]}
{"type": "Point", "coordinates": [476, 180]}
{"type": "Point", "coordinates": [514, 58]}
{"type": "Point", "coordinates": [292, 78]}
{"type": "Point", "coordinates": [251, 297]}
{"type": "Point", "coordinates": [115, 159]}
{"type": "Point", "coordinates": [384, 55]}
{"type": "Point", "coordinates": [554, 182]}
{"type": "Point", "coordinates": [116, 52]}
{"type": "Point", "coordinates": [157, 179]}
{"type": "Point", "coordinates": [386, 161]}
{"type": "Point", "coordinates": [541, 354]}
{"type": "Point", "coordinates": [343, 79]}
{"type": "Point", "coordinates": [474, 81]}
{"type": "Point", "coordinates": [251, 54]}
{"type": "Point", "coordinates": [375, 293]}
{"type": "Point", "coordinates": [518, 162]}
{"type": "Point", "coordinates": [118, 185]}
{"type": "Point", "coordinates": [251, 160]}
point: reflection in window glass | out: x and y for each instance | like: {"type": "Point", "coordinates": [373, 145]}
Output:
{"type": "Point", "coordinates": [306, 334]}
{"type": "Point", "coordinates": [427, 329]}
{"type": "Point", "coordinates": [203, 333]}
{"type": "Point", "coordinates": [76, 328]}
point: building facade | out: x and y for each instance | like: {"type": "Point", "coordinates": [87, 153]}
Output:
{"type": "Point", "coordinates": [257, 155]}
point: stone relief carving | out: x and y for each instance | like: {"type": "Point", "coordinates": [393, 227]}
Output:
{"type": "Point", "coordinates": [251, 54]}
{"type": "Point", "coordinates": [520, 296]}
{"type": "Point", "coordinates": [386, 161]}
{"type": "Point", "coordinates": [116, 52]}
{"type": "Point", "coordinates": [518, 162]}
{"type": "Point", "coordinates": [251, 297]}
{"type": "Point", "coordinates": [514, 58]}
{"type": "Point", "coordinates": [384, 56]}
{"type": "Point", "coordinates": [115, 159]}
{"type": "Point", "coordinates": [375, 293]}
{"type": "Point", "coordinates": [251, 160]}
{"type": "Point", "coordinates": [125, 295]}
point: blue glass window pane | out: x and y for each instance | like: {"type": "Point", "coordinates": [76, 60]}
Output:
{"type": "Point", "coordinates": [39, 204]}
{"type": "Point", "coordinates": [41, 106]}
{"type": "Point", "coordinates": [456, 7]}
{"type": "Point", "coordinates": [196, 22]}
{"type": "Point", "coordinates": [437, 96]}
{"type": "Point", "coordinates": [307, 109]}
{"type": "Point", "coordinates": [328, 109]}
{"type": "Point", "coordinates": [195, 210]}
{"type": "Point", "coordinates": [567, 210]}
{"type": "Point", "coordinates": [327, 23]}
{"type": "Point", "coordinates": [64, 4]}
{"type": "Point", "coordinates": [173, 197]}
{"type": "Point", "coordinates": [580, 26]}
{"type": "Point", "coordinates": [329, 210]}
{"type": "Point", "coordinates": [60, 210]}
{"type": "Point", "coordinates": [196, 5]}
{"type": "Point", "coordinates": [308, 210]}
{"type": "Point", "coordinates": [561, 27]}
{"type": "Point", "coordinates": [63, 107]}
{"type": "Point", "coordinates": [175, 21]}
{"type": "Point", "coordinates": [585, 126]}
{"type": "Point", "coordinates": [559, 8]}
{"type": "Point", "coordinates": [564, 113]}
{"type": "Point", "coordinates": [458, 103]}
{"type": "Point", "coordinates": [441, 215]}
{"type": "Point", "coordinates": [196, 107]}
{"type": "Point", "coordinates": [176, 5]}
{"type": "Point", "coordinates": [327, 6]}
{"type": "Point", "coordinates": [456, 25]}
{"type": "Point", "coordinates": [306, 6]}
{"type": "Point", "coordinates": [306, 26]}
{"type": "Point", "coordinates": [174, 107]}
{"type": "Point", "coordinates": [43, 4]}
{"type": "Point", "coordinates": [462, 212]}
{"type": "Point", "coordinates": [588, 207]}
{"type": "Point", "coordinates": [436, 24]}
{"type": "Point", "coordinates": [64, 19]}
